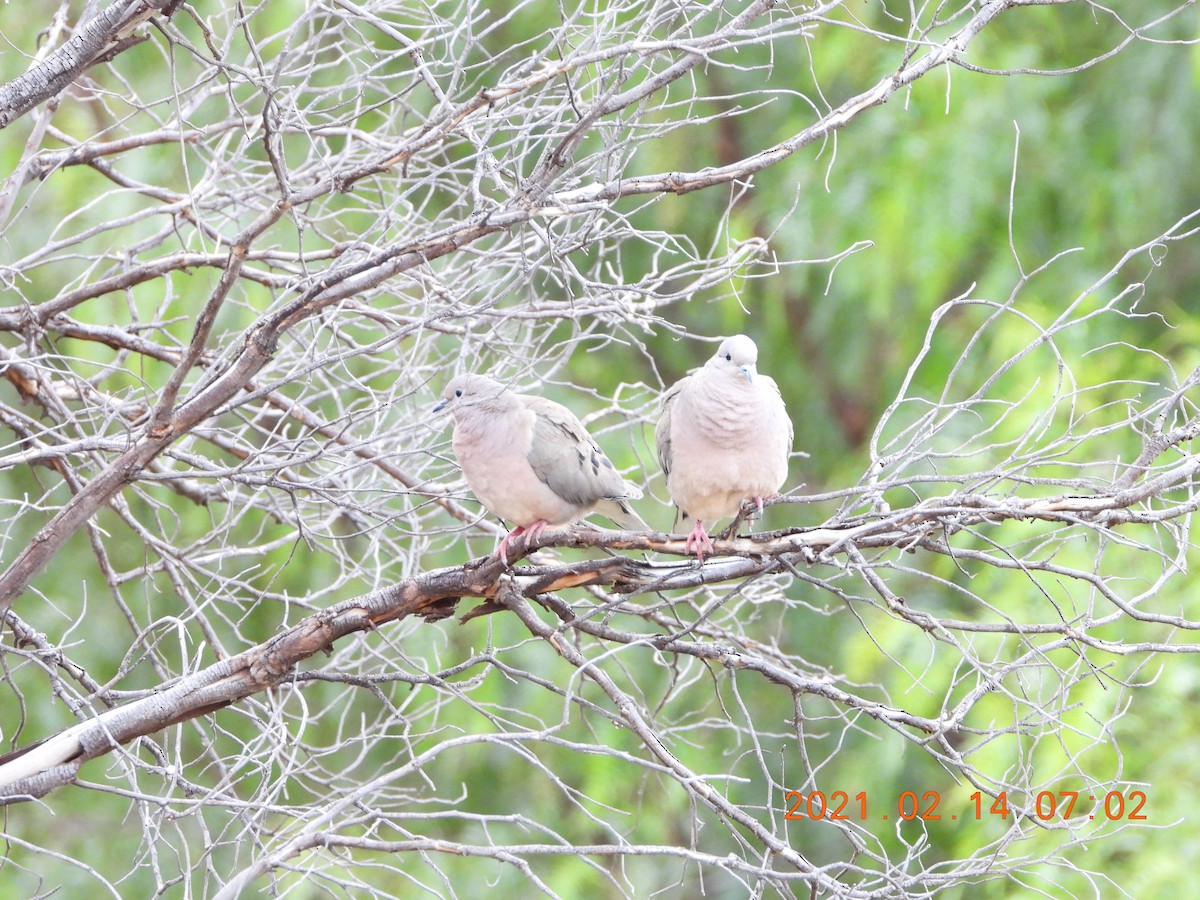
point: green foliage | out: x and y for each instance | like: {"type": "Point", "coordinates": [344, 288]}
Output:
{"type": "Point", "coordinates": [960, 186]}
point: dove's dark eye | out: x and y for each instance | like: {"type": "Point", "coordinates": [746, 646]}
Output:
{"type": "Point", "coordinates": [729, 357]}
{"type": "Point", "coordinates": [458, 393]}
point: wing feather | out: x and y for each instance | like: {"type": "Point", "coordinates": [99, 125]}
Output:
{"type": "Point", "coordinates": [662, 431]}
{"type": "Point", "coordinates": [567, 459]}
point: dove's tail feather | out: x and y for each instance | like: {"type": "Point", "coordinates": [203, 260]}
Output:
{"type": "Point", "coordinates": [620, 512]}
{"type": "Point", "coordinates": [630, 491]}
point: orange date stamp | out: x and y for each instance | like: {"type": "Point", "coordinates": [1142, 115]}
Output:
{"type": "Point", "coordinates": [1122, 806]}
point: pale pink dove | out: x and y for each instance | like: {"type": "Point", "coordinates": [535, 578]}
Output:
{"type": "Point", "coordinates": [724, 436]}
{"type": "Point", "coordinates": [531, 462]}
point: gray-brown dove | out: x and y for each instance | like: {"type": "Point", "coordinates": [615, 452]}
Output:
{"type": "Point", "coordinates": [724, 436]}
{"type": "Point", "coordinates": [530, 461]}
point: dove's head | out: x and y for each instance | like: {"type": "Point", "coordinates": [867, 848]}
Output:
{"type": "Point", "coordinates": [737, 354]}
{"type": "Point", "coordinates": [465, 392]}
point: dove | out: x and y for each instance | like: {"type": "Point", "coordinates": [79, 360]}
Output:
{"type": "Point", "coordinates": [531, 462]}
{"type": "Point", "coordinates": [723, 436]}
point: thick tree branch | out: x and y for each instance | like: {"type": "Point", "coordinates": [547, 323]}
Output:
{"type": "Point", "coordinates": [34, 770]}
{"type": "Point", "coordinates": [98, 41]}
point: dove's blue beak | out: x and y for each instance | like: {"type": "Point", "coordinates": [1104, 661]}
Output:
{"type": "Point", "coordinates": [748, 371]}
{"type": "Point", "coordinates": [440, 406]}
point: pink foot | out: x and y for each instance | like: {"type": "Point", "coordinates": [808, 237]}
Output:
{"type": "Point", "coordinates": [502, 550]}
{"type": "Point", "coordinates": [534, 531]}
{"type": "Point", "coordinates": [758, 501]}
{"type": "Point", "coordinates": [699, 541]}
{"type": "Point", "coordinates": [531, 532]}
